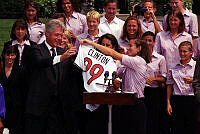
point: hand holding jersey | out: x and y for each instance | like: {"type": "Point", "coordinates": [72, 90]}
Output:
{"type": "Point", "coordinates": [71, 51]}
{"type": "Point", "coordinates": [94, 65]}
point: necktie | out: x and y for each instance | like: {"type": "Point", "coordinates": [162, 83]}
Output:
{"type": "Point", "coordinates": [53, 52]}
{"type": "Point", "coordinates": [54, 69]}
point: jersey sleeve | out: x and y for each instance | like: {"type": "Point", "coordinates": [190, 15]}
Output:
{"type": "Point", "coordinates": [79, 59]}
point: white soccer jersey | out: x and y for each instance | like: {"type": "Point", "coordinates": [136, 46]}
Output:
{"type": "Point", "coordinates": [94, 65]}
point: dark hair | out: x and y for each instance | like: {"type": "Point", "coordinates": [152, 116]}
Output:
{"type": "Point", "coordinates": [154, 5]}
{"type": "Point", "coordinates": [144, 53]}
{"type": "Point", "coordinates": [149, 33]}
{"type": "Point", "coordinates": [75, 6]}
{"type": "Point", "coordinates": [178, 14]}
{"type": "Point", "coordinates": [31, 3]}
{"type": "Point", "coordinates": [186, 43]}
{"type": "Point", "coordinates": [112, 38]}
{"type": "Point", "coordinates": [22, 24]}
{"type": "Point", "coordinates": [9, 49]}
{"type": "Point", "coordinates": [59, 15]}
{"type": "Point", "coordinates": [125, 33]}
{"type": "Point", "coordinates": [110, 1]}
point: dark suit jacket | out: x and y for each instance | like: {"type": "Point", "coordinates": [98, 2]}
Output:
{"type": "Point", "coordinates": [25, 52]}
{"type": "Point", "coordinates": [42, 80]}
{"type": "Point", "coordinates": [71, 93]}
{"type": "Point", "coordinates": [196, 80]}
{"type": "Point", "coordinates": [71, 85]}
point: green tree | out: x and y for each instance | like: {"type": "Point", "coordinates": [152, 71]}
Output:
{"type": "Point", "coordinates": [188, 4]}
{"type": "Point", "coordinates": [11, 9]}
{"type": "Point", "coordinates": [47, 7]}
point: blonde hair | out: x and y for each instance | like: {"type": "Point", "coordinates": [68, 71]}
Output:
{"type": "Point", "coordinates": [93, 14]}
{"type": "Point", "coordinates": [68, 35]}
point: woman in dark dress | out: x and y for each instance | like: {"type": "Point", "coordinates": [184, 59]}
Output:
{"type": "Point", "coordinates": [20, 40]}
{"type": "Point", "coordinates": [2, 109]}
{"type": "Point", "coordinates": [13, 78]}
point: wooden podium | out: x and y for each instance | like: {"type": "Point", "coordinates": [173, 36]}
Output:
{"type": "Point", "coordinates": [110, 98]}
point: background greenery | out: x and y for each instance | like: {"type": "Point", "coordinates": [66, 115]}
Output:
{"type": "Point", "coordinates": [12, 9]}
{"type": "Point", "coordinates": [5, 28]}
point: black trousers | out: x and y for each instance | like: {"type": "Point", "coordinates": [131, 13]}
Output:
{"type": "Point", "coordinates": [183, 112]}
{"type": "Point", "coordinates": [75, 121]}
{"type": "Point", "coordinates": [97, 122]}
{"type": "Point", "coordinates": [130, 119]}
{"type": "Point", "coordinates": [49, 122]}
{"type": "Point", "coordinates": [197, 121]}
{"type": "Point", "coordinates": [165, 119]}
{"type": "Point", "coordinates": [153, 104]}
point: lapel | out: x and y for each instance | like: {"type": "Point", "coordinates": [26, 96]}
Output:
{"type": "Point", "coordinates": [45, 50]}
{"type": "Point", "coordinates": [59, 51]}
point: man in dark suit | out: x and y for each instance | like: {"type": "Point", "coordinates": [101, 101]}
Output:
{"type": "Point", "coordinates": [43, 106]}
{"type": "Point", "coordinates": [196, 86]}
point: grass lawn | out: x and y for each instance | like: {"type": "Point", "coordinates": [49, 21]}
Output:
{"type": "Point", "coordinates": [5, 28]}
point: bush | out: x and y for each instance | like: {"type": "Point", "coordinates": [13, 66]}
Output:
{"type": "Point", "coordinates": [11, 9]}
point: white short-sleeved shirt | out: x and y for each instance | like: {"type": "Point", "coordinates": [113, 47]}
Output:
{"type": "Point", "coordinates": [115, 27]}
{"type": "Point", "coordinates": [94, 65]}
{"type": "Point", "coordinates": [176, 74]}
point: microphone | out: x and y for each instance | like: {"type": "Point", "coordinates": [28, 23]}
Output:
{"type": "Point", "coordinates": [106, 74]}
{"type": "Point", "coordinates": [114, 76]}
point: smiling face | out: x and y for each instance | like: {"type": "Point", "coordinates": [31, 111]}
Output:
{"type": "Point", "coordinates": [92, 23]}
{"type": "Point", "coordinates": [54, 38]}
{"type": "Point", "coordinates": [150, 8]}
{"type": "Point", "coordinates": [176, 5]}
{"type": "Point", "coordinates": [111, 10]}
{"type": "Point", "coordinates": [31, 13]}
{"type": "Point", "coordinates": [174, 22]}
{"type": "Point", "coordinates": [185, 53]}
{"type": "Point", "coordinates": [65, 41]}
{"type": "Point", "coordinates": [107, 43]}
{"type": "Point", "coordinates": [9, 58]}
{"type": "Point", "coordinates": [20, 33]}
{"type": "Point", "coordinates": [132, 27]}
{"type": "Point", "coordinates": [150, 41]}
{"type": "Point", "coordinates": [67, 6]}
{"type": "Point", "coordinates": [132, 49]}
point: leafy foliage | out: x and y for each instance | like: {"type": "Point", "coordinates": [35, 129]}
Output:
{"type": "Point", "coordinates": [11, 8]}
{"type": "Point", "coordinates": [47, 7]}
{"type": "Point", "coordinates": [188, 4]}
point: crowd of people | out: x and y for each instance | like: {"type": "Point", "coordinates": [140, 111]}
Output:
{"type": "Point", "coordinates": [45, 68]}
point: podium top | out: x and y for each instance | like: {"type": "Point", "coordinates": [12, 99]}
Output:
{"type": "Point", "coordinates": [109, 98]}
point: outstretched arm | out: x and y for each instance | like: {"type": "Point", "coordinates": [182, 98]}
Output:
{"type": "Point", "coordinates": [105, 50]}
